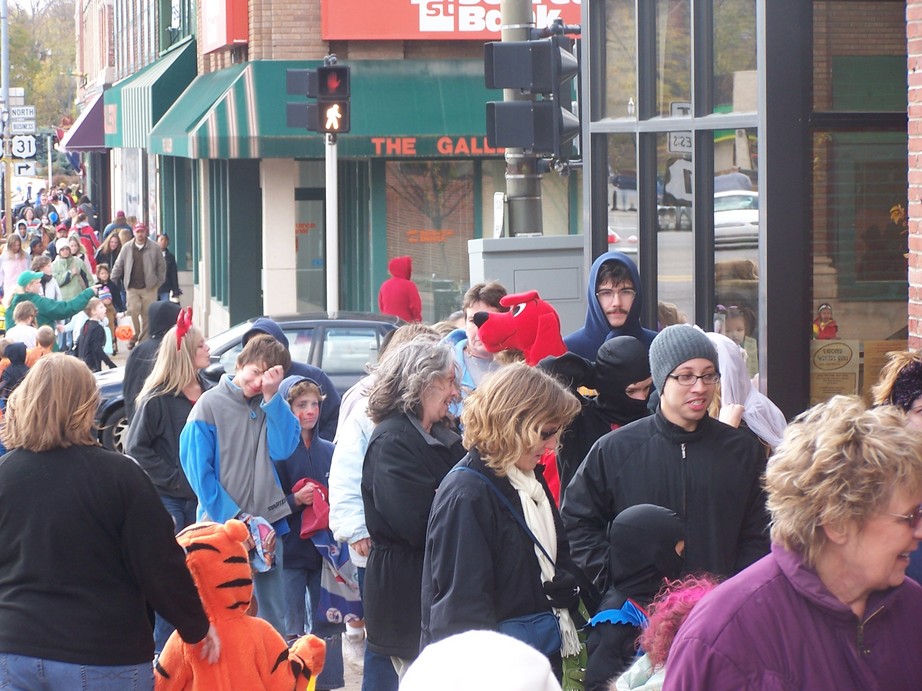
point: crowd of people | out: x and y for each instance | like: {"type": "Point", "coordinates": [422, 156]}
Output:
{"type": "Point", "coordinates": [634, 509]}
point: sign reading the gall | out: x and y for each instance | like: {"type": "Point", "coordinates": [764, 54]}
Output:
{"type": "Point", "coordinates": [449, 20]}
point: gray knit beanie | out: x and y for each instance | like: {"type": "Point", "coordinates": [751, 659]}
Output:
{"type": "Point", "coordinates": [677, 344]}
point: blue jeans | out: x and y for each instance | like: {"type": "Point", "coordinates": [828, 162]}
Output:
{"type": "Point", "coordinates": [183, 513]}
{"type": "Point", "coordinates": [379, 672]}
{"type": "Point", "coordinates": [22, 673]}
{"type": "Point", "coordinates": [269, 588]}
{"type": "Point", "coordinates": [297, 582]}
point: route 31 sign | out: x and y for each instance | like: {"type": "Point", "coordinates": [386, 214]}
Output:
{"type": "Point", "coordinates": [23, 146]}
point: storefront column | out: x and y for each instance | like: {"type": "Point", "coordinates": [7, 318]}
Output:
{"type": "Point", "coordinates": [278, 177]}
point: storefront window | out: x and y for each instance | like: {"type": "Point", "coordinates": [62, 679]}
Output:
{"type": "Point", "coordinates": [622, 194]}
{"type": "Point", "coordinates": [859, 243]}
{"type": "Point", "coordinates": [735, 83]}
{"type": "Point", "coordinates": [620, 85]}
{"type": "Point", "coordinates": [859, 56]}
{"type": "Point", "coordinates": [675, 229]}
{"type": "Point", "coordinates": [736, 239]}
{"type": "Point", "coordinates": [673, 58]}
{"type": "Point", "coordinates": [430, 217]}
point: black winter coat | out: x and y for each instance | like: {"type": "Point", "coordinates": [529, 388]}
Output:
{"type": "Point", "coordinates": [153, 441]}
{"type": "Point", "coordinates": [709, 477]}
{"type": "Point", "coordinates": [90, 346]}
{"type": "Point", "coordinates": [401, 473]}
{"type": "Point", "coordinates": [480, 566]}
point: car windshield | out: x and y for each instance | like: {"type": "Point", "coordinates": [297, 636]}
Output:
{"type": "Point", "coordinates": [736, 202]}
{"type": "Point", "coordinates": [219, 342]}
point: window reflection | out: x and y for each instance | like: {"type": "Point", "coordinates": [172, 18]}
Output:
{"type": "Point", "coordinates": [736, 240]}
{"type": "Point", "coordinates": [675, 241]}
{"type": "Point", "coordinates": [735, 83]}
{"type": "Point", "coordinates": [673, 57]}
{"type": "Point", "coordinates": [622, 194]}
{"type": "Point", "coordinates": [620, 84]}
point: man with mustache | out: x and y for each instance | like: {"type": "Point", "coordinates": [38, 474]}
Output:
{"type": "Point", "coordinates": [613, 308]}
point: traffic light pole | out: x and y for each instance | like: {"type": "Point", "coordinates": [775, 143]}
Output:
{"type": "Point", "coordinates": [523, 182]}
{"type": "Point", "coordinates": [332, 225]}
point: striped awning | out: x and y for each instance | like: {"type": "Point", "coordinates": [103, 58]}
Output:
{"type": "Point", "coordinates": [135, 104]}
{"type": "Point", "coordinates": [239, 112]}
{"type": "Point", "coordinates": [86, 134]}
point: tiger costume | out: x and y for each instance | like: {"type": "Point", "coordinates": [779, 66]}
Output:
{"type": "Point", "coordinates": [253, 655]}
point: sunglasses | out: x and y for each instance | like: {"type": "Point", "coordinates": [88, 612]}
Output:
{"type": "Point", "coordinates": [912, 518]}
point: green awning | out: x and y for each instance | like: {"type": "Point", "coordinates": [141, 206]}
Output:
{"type": "Point", "coordinates": [135, 104]}
{"type": "Point", "coordinates": [398, 108]}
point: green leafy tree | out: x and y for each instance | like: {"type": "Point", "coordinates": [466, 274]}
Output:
{"type": "Point", "coordinates": [42, 56]}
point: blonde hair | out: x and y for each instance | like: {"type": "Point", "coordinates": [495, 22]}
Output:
{"type": "Point", "coordinates": [60, 391]}
{"type": "Point", "coordinates": [173, 368]}
{"type": "Point", "coordinates": [503, 418]}
{"type": "Point", "coordinates": [404, 374]}
{"type": "Point", "coordinates": [23, 311]}
{"type": "Point", "coordinates": [91, 305]}
{"type": "Point", "coordinates": [897, 361]}
{"type": "Point", "coordinates": [45, 336]}
{"type": "Point", "coordinates": [838, 462]}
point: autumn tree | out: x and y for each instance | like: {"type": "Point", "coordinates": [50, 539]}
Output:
{"type": "Point", "coordinates": [42, 56]}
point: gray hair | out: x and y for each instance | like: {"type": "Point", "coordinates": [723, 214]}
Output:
{"type": "Point", "coordinates": [404, 374]}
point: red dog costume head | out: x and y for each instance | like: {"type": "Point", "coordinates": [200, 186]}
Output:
{"type": "Point", "coordinates": [531, 326]}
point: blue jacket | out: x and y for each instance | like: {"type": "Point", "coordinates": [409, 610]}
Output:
{"type": "Point", "coordinates": [586, 341]}
{"type": "Point", "coordinates": [226, 450]}
{"type": "Point", "coordinates": [313, 463]}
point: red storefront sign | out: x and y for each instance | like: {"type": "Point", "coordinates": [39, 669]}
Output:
{"type": "Point", "coordinates": [448, 20]}
{"type": "Point", "coordinates": [224, 23]}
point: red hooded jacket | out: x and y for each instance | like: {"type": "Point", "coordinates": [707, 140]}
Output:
{"type": "Point", "coordinates": [399, 295]}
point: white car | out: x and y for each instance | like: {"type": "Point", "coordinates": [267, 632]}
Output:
{"type": "Point", "coordinates": [736, 218]}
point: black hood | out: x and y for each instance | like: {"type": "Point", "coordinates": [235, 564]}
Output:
{"type": "Point", "coordinates": [621, 361]}
{"type": "Point", "coordinates": [16, 352]}
{"type": "Point", "coordinates": [162, 315]}
{"type": "Point", "coordinates": [264, 325]}
{"type": "Point", "coordinates": [642, 542]}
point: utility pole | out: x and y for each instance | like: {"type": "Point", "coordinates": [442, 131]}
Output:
{"type": "Point", "coordinates": [5, 115]}
{"type": "Point", "coordinates": [523, 181]}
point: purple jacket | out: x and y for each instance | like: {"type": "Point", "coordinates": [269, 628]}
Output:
{"type": "Point", "coordinates": [775, 626]}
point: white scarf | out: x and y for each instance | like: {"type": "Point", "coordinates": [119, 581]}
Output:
{"type": "Point", "coordinates": [540, 519]}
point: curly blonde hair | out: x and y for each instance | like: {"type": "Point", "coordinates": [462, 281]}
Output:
{"type": "Point", "coordinates": [503, 418]}
{"type": "Point", "coordinates": [838, 462]}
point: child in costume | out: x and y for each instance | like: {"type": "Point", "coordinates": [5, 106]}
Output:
{"type": "Point", "coordinates": [649, 541]}
{"type": "Point", "coordinates": [253, 654]}
{"type": "Point", "coordinates": [824, 326]}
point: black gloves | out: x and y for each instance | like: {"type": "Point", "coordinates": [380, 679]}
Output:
{"type": "Point", "coordinates": [562, 592]}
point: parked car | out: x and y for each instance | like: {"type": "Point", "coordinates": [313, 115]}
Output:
{"type": "Point", "coordinates": [736, 218]}
{"type": "Point", "coordinates": [342, 346]}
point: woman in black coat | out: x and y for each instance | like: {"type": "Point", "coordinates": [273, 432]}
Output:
{"type": "Point", "coordinates": [410, 451]}
{"type": "Point", "coordinates": [481, 567]}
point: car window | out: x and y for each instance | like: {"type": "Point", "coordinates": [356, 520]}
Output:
{"type": "Point", "coordinates": [347, 350]}
{"type": "Point", "coordinates": [299, 343]}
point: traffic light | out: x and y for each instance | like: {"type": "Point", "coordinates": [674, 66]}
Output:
{"type": "Point", "coordinates": [329, 84]}
{"type": "Point", "coordinates": [543, 69]}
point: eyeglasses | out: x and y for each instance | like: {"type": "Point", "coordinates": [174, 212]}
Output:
{"type": "Point", "coordinates": [688, 379]}
{"type": "Point", "coordinates": [547, 434]}
{"type": "Point", "coordinates": [607, 295]}
{"type": "Point", "coordinates": [912, 518]}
